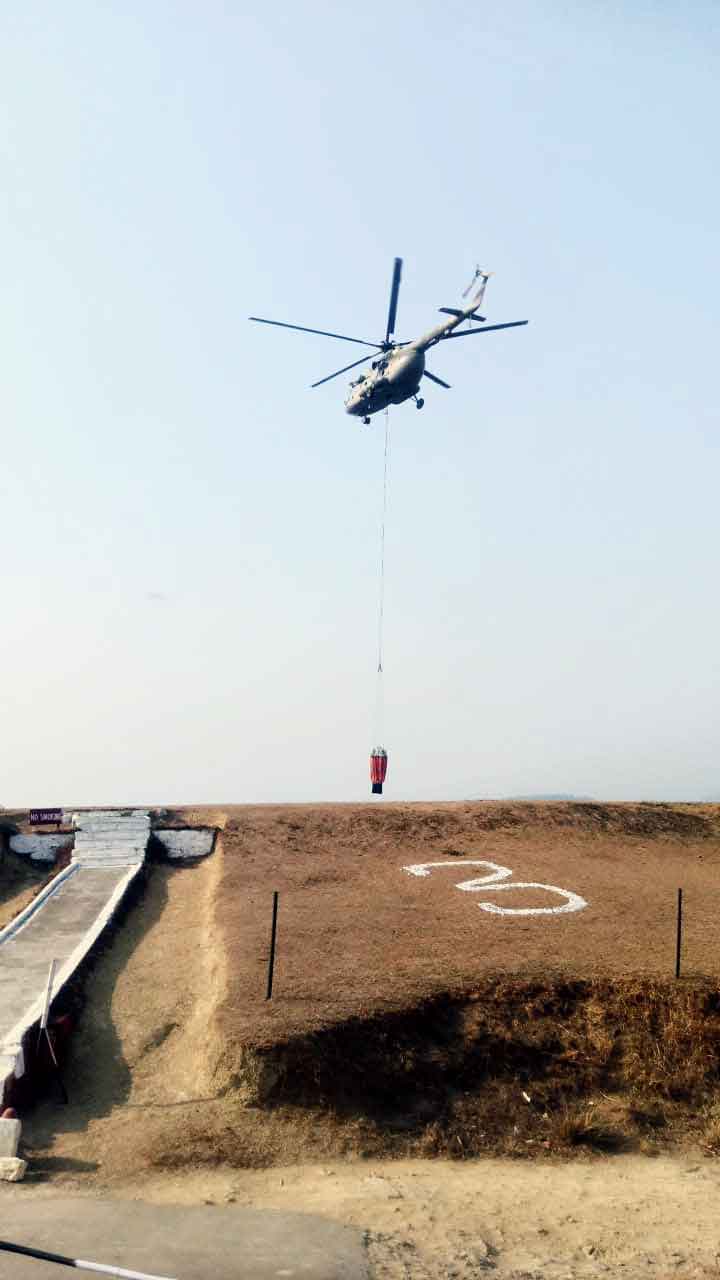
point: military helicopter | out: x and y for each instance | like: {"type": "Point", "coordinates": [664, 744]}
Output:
{"type": "Point", "coordinates": [396, 373]}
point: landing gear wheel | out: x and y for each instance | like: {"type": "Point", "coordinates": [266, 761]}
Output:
{"type": "Point", "coordinates": [366, 422]}
{"type": "Point", "coordinates": [419, 403]}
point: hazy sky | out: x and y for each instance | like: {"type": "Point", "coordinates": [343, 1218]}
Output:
{"type": "Point", "coordinates": [190, 535]}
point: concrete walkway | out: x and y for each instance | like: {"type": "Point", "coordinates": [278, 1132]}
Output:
{"type": "Point", "coordinates": [64, 925]}
{"type": "Point", "coordinates": [54, 932]}
{"type": "Point", "coordinates": [180, 1242]}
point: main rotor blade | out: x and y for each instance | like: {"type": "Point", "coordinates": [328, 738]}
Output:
{"type": "Point", "coordinates": [467, 333]}
{"type": "Point", "coordinates": [337, 372]}
{"type": "Point", "coordinates": [323, 332]}
{"type": "Point", "coordinates": [433, 378]}
{"type": "Point", "coordinates": [394, 290]}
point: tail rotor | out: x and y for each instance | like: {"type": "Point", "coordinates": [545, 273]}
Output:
{"type": "Point", "coordinates": [478, 273]}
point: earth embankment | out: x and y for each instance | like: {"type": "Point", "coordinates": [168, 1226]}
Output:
{"type": "Point", "coordinates": [407, 1017]}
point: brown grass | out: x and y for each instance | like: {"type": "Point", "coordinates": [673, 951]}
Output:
{"type": "Point", "coordinates": [586, 1127]}
{"type": "Point", "coordinates": [711, 1131]}
{"type": "Point", "coordinates": [358, 935]}
{"type": "Point", "coordinates": [512, 1066]}
{"type": "Point", "coordinates": [405, 1021]}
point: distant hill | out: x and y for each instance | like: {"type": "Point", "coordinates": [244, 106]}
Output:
{"type": "Point", "coordinates": [568, 798]}
{"type": "Point", "coordinates": [542, 796]}
{"type": "Point", "coordinates": [555, 795]}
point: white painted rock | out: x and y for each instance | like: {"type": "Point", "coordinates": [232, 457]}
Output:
{"type": "Point", "coordinates": [12, 1065]}
{"type": "Point", "coordinates": [12, 1169]}
{"type": "Point", "coordinates": [10, 1131]}
{"type": "Point", "coordinates": [40, 848]}
{"type": "Point", "coordinates": [197, 843]}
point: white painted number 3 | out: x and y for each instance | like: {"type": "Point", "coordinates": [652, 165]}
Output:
{"type": "Point", "coordinates": [490, 884]}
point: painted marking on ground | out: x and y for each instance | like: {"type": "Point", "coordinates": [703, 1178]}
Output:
{"type": "Point", "coordinates": [489, 884]}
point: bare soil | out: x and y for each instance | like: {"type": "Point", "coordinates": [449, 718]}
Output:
{"type": "Point", "coordinates": [429, 1220]}
{"type": "Point", "coordinates": [434, 1220]}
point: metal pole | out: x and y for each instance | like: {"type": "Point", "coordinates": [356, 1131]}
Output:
{"type": "Point", "coordinates": [44, 1030]}
{"type": "Point", "coordinates": [273, 935]}
{"type": "Point", "coordinates": [679, 934]}
{"type": "Point", "coordinates": [44, 1256]}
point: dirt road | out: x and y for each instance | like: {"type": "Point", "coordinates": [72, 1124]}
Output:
{"type": "Point", "coordinates": [430, 1220]}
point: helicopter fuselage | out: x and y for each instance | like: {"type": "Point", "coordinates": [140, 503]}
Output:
{"type": "Point", "coordinates": [393, 377]}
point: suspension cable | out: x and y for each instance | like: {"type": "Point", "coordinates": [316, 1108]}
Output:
{"type": "Point", "coordinates": [381, 603]}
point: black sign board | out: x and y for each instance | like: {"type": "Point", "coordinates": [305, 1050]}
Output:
{"type": "Point", "coordinates": [40, 816]}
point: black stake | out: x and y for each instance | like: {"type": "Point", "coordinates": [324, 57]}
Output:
{"type": "Point", "coordinates": [679, 934]}
{"type": "Point", "coordinates": [271, 965]}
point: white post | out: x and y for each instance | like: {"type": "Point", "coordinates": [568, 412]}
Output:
{"type": "Point", "coordinates": [48, 995]}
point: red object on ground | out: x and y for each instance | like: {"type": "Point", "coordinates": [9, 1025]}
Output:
{"type": "Point", "coordinates": [378, 769]}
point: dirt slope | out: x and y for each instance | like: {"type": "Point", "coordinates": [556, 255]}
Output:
{"type": "Point", "coordinates": [20, 881]}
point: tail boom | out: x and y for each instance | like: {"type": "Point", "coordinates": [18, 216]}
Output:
{"type": "Point", "coordinates": [459, 316]}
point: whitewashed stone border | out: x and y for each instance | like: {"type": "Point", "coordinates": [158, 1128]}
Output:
{"type": "Point", "coordinates": [12, 1169]}
{"type": "Point", "coordinates": [10, 1131]}
{"type": "Point", "coordinates": [41, 848]}
{"type": "Point", "coordinates": [188, 842]}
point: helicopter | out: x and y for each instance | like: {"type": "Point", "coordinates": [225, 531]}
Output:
{"type": "Point", "coordinates": [396, 373]}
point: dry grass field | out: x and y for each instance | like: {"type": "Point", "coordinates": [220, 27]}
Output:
{"type": "Point", "coordinates": [358, 934]}
{"type": "Point", "coordinates": [406, 1019]}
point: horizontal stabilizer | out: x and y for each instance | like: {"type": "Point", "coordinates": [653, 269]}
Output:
{"type": "Point", "coordinates": [454, 311]}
